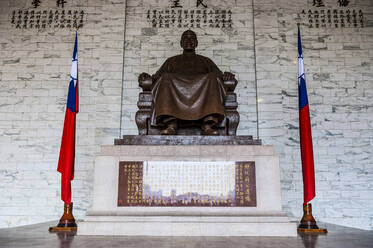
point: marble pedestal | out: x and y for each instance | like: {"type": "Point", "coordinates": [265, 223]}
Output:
{"type": "Point", "coordinates": [266, 219]}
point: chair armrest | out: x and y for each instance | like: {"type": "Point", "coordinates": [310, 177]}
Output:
{"type": "Point", "coordinates": [230, 85]}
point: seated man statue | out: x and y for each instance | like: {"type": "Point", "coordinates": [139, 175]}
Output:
{"type": "Point", "coordinates": [188, 87]}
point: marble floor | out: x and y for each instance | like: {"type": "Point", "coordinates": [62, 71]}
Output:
{"type": "Point", "coordinates": [38, 236]}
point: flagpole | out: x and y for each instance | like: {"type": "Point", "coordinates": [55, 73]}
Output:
{"type": "Point", "coordinates": [66, 160]}
{"type": "Point", "coordinates": [255, 73]}
{"type": "Point", "coordinates": [308, 222]}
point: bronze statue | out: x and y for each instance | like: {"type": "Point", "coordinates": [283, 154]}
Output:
{"type": "Point", "coordinates": [187, 88]}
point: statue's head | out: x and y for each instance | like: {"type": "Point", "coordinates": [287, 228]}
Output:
{"type": "Point", "coordinates": [189, 40]}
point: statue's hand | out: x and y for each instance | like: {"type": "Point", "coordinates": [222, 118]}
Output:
{"type": "Point", "coordinates": [145, 81]}
{"type": "Point", "coordinates": [227, 76]}
{"type": "Point", "coordinates": [144, 76]}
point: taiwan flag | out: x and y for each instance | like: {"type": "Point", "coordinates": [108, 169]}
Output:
{"type": "Point", "coordinates": [305, 131]}
{"type": "Point", "coordinates": [67, 151]}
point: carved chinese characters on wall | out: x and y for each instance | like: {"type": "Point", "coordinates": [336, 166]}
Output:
{"type": "Point", "coordinates": [42, 19]}
{"type": "Point", "coordinates": [333, 18]}
{"type": "Point", "coordinates": [332, 14]}
{"type": "Point", "coordinates": [224, 184]}
{"type": "Point", "coordinates": [189, 18]}
{"type": "Point", "coordinates": [37, 17]}
{"type": "Point", "coordinates": [176, 15]}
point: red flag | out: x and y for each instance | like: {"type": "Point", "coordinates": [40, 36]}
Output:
{"type": "Point", "coordinates": [305, 131]}
{"type": "Point", "coordinates": [67, 151]}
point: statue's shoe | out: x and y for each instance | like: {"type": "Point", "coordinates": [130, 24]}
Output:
{"type": "Point", "coordinates": [170, 130]}
{"type": "Point", "coordinates": [208, 130]}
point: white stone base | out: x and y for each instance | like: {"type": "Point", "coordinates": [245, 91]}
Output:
{"type": "Point", "coordinates": [266, 219]}
{"type": "Point", "coordinates": [172, 224]}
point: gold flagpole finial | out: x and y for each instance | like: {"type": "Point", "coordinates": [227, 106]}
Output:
{"type": "Point", "coordinates": [298, 19]}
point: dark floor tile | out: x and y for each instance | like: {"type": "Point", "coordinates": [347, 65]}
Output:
{"type": "Point", "coordinates": [38, 236]}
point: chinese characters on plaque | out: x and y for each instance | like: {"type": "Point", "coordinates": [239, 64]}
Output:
{"type": "Point", "coordinates": [340, 16]}
{"type": "Point", "coordinates": [130, 181]}
{"type": "Point", "coordinates": [242, 185]}
{"type": "Point", "coordinates": [38, 18]}
{"type": "Point", "coordinates": [175, 183]}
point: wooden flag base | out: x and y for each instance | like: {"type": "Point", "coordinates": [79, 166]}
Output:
{"type": "Point", "coordinates": [62, 229]}
{"type": "Point", "coordinates": [308, 223]}
{"type": "Point", "coordinates": [67, 221]}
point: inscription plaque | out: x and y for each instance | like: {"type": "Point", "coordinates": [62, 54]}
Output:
{"type": "Point", "coordinates": [177, 183]}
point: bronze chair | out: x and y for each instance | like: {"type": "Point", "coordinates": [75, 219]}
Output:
{"type": "Point", "coordinates": [145, 104]}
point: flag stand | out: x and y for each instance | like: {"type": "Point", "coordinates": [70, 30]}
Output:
{"type": "Point", "coordinates": [67, 221]}
{"type": "Point", "coordinates": [308, 223]}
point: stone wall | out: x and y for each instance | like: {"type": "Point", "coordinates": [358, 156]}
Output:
{"type": "Point", "coordinates": [34, 74]}
{"type": "Point", "coordinates": [338, 66]}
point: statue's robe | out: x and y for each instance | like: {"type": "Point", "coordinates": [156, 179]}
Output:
{"type": "Point", "coordinates": [188, 87]}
